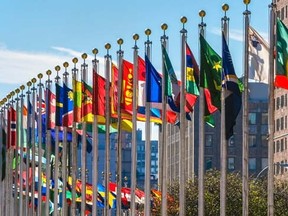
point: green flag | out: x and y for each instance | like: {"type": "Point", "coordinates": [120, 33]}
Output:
{"type": "Point", "coordinates": [281, 79]}
{"type": "Point", "coordinates": [210, 79]}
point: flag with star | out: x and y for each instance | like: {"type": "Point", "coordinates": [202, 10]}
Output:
{"type": "Point", "coordinates": [67, 116]}
{"type": "Point", "coordinates": [281, 79]}
{"type": "Point", "coordinates": [210, 79]}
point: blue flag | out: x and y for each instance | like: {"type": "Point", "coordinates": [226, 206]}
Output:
{"type": "Point", "coordinates": [233, 98]}
{"type": "Point", "coordinates": [153, 83]}
{"type": "Point", "coordinates": [59, 105]}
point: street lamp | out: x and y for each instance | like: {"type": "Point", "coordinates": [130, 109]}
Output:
{"type": "Point", "coordinates": [266, 167]}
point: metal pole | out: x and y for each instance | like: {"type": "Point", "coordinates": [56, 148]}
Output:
{"type": "Point", "coordinates": [271, 113]}
{"type": "Point", "coordinates": [64, 151]}
{"type": "Point", "coordinates": [182, 120]}
{"type": "Point", "coordinates": [245, 123]}
{"type": "Point", "coordinates": [84, 144]}
{"type": "Point", "coordinates": [18, 173]}
{"type": "Point", "coordinates": [39, 126]}
{"type": "Point", "coordinates": [33, 146]}
{"type": "Point", "coordinates": [28, 153]}
{"type": "Point", "coordinates": [201, 168]}
{"type": "Point", "coordinates": [134, 129]}
{"type": "Point", "coordinates": [107, 134]}
{"type": "Point", "coordinates": [164, 145]}
{"type": "Point", "coordinates": [56, 168]}
{"type": "Point", "coordinates": [2, 186]}
{"type": "Point", "coordinates": [147, 207]}
{"type": "Point", "coordinates": [95, 135]}
{"type": "Point", "coordinates": [119, 140]}
{"type": "Point", "coordinates": [48, 141]}
{"type": "Point", "coordinates": [74, 147]}
{"type": "Point", "coordinates": [223, 146]}
{"type": "Point", "coordinates": [22, 87]}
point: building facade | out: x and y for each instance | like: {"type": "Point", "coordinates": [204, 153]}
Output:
{"type": "Point", "coordinates": [258, 130]}
{"type": "Point", "coordinates": [281, 111]}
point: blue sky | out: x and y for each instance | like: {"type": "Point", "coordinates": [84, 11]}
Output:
{"type": "Point", "coordinates": [37, 35]}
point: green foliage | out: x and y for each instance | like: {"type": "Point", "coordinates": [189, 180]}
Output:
{"type": "Point", "coordinates": [257, 196]}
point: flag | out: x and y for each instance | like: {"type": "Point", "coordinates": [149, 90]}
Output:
{"type": "Point", "coordinates": [98, 94]}
{"type": "Point", "coordinates": [153, 83]}
{"type": "Point", "coordinates": [51, 108]}
{"type": "Point", "coordinates": [210, 79]}
{"type": "Point", "coordinates": [77, 100]}
{"type": "Point", "coordinates": [281, 79]}
{"type": "Point", "coordinates": [87, 104]}
{"type": "Point", "coordinates": [154, 90]}
{"type": "Point", "coordinates": [173, 88]}
{"type": "Point", "coordinates": [4, 145]}
{"type": "Point", "coordinates": [192, 79]}
{"type": "Point", "coordinates": [127, 87]}
{"type": "Point", "coordinates": [114, 95]}
{"type": "Point", "coordinates": [11, 128]}
{"type": "Point", "coordinates": [67, 117]}
{"type": "Point", "coordinates": [59, 104]}
{"type": "Point", "coordinates": [233, 98]}
{"type": "Point", "coordinates": [258, 50]}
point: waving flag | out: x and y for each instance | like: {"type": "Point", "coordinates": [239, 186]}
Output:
{"type": "Point", "coordinates": [11, 128]}
{"type": "Point", "coordinates": [77, 100]}
{"type": "Point", "coordinates": [98, 94]}
{"type": "Point", "coordinates": [59, 104]}
{"type": "Point", "coordinates": [281, 79]}
{"type": "Point", "coordinates": [233, 98]}
{"type": "Point", "coordinates": [258, 57]}
{"type": "Point", "coordinates": [51, 108]}
{"type": "Point", "coordinates": [67, 117]}
{"type": "Point", "coordinates": [210, 79]}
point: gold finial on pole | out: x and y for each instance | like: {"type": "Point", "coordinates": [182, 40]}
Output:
{"type": "Point", "coordinates": [183, 20]}
{"type": "Point", "coordinates": [48, 72]}
{"type": "Point", "coordinates": [246, 2]}
{"type": "Point", "coordinates": [75, 60]}
{"type": "Point", "coordinates": [12, 93]}
{"type": "Point", "coordinates": [65, 65]}
{"type": "Point", "coordinates": [95, 52]}
{"type": "Point", "coordinates": [40, 76]}
{"type": "Point", "coordinates": [120, 42]}
{"type": "Point", "coordinates": [34, 80]}
{"type": "Point", "coordinates": [202, 13]}
{"type": "Point", "coordinates": [107, 47]}
{"type": "Point", "coordinates": [225, 7]}
{"type": "Point", "coordinates": [84, 56]}
{"type": "Point", "coordinates": [22, 87]}
{"type": "Point", "coordinates": [29, 84]}
{"type": "Point", "coordinates": [148, 32]}
{"type": "Point", "coordinates": [17, 91]}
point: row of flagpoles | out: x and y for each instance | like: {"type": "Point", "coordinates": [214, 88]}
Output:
{"type": "Point", "coordinates": [117, 96]}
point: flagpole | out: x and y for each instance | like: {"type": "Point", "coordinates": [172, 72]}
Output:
{"type": "Point", "coordinates": [163, 158]}
{"type": "Point", "coordinates": [74, 148]}
{"type": "Point", "coordinates": [48, 140]}
{"type": "Point", "coordinates": [64, 151]}
{"type": "Point", "coordinates": [12, 179]}
{"type": "Point", "coordinates": [7, 190]}
{"type": "Point", "coordinates": [107, 124]}
{"type": "Point", "coordinates": [134, 128]}
{"type": "Point", "coordinates": [202, 26]}
{"type": "Point", "coordinates": [34, 92]}
{"type": "Point", "coordinates": [245, 123]}
{"type": "Point", "coordinates": [84, 144]}
{"type": "Point", "coordinates": [22, 87]}
{"type": "Point", "coordinates": [39, 126]}
{"type": "Point", "coordinates": [17, 177]}
{"type": "Point", "coordinates": [56, 168]}
{"type": "Point", "coordinates": [147, 207]}
{"type": "Point", "coordinates": [223, 146]}
{"type": "Point", "coordinates": [28, 149]}
{"type": "Point", "coordinates": [119, 141]}
{"type": "Point", "coordinates": [182, 119]}
{"type": "Point", "coordinates": [9, 162]}
{"type": "Point", "coordinates": [95, 141]}
{"type": "Point", "coordinates": [271, 112]}
{"type": "Point", "coordinates": [1, 157]}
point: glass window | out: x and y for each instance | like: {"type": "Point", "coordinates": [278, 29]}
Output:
{"type": "Point", "coordinates": [252, 140]}
{"type": "Point", "coordinates": [231, 163]}
{"type": "Point", "coordinates": [277, 103]}
{"type": "Point", "coordinates": [264, 141]}
{"type": "Point", "coordinates": [208, 140]}
{"type": "Point", "coordinates": [264, 118]}
{"type": "Point", "coordinates": [208, 163]}
{"type": "Point", "coordinates": [264, 162]}
{"type": "Point", "coordinates": [282, 123]}
{"type": "Point", "coordinates": [252, 118]}
{"type": "Point", "coordinates": [252, 163]}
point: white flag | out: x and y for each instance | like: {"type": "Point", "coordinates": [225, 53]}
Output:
{"type": "Point", "coordinates": [258, 57]}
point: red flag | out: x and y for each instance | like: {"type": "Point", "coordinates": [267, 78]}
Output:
{"type": "Point", "coordinates": [127, 87]}
{"type": "Point", "coordinates": [98, 94]}
{"type": "Point", "coordinates": [51, 109]}
{"type": "Point", "coordinates": [11, 128]}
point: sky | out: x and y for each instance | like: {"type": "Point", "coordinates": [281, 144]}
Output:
{"type": "Point", "coordinates": [37, 35]}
